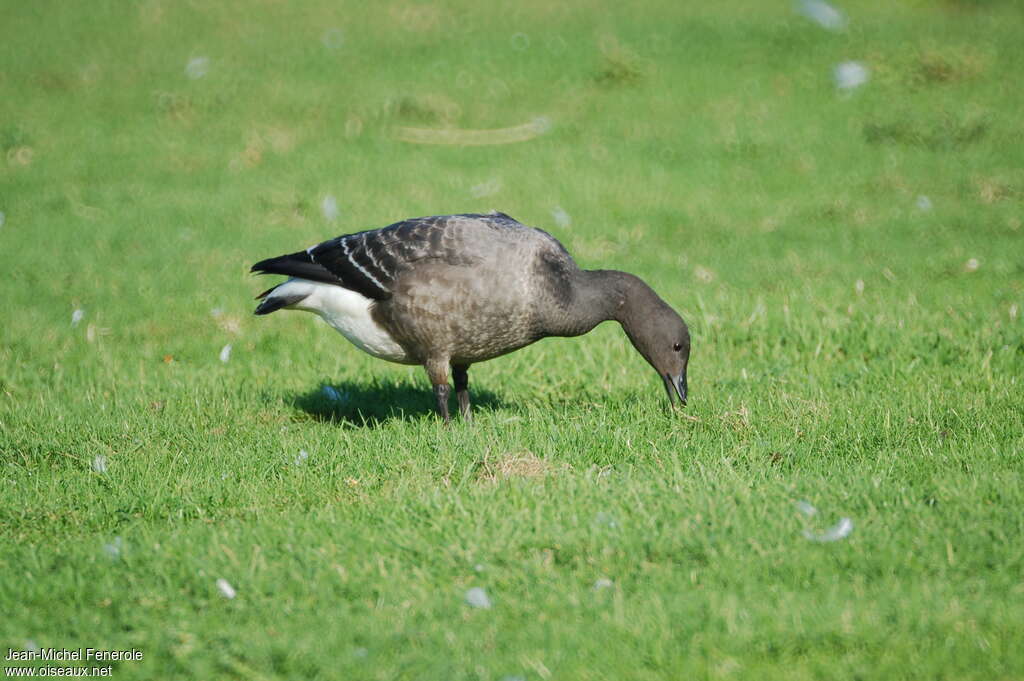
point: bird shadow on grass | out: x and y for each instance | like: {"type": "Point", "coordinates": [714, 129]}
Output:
{"type": "Point", "coordinates": [367, 403]}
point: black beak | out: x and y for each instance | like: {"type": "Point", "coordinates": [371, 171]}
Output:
{"type": "Point", "coordinates": [675, 386]}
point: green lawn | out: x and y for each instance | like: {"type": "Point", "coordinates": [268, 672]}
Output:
{"type": "Point", "coordinates": [851, 264]}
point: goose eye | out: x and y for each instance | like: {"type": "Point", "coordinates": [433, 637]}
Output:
{"type": "Point", "coordinates": [677, 347]}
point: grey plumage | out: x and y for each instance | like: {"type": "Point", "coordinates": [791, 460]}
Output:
{"type": "Point", "coordinates": [454, 290]}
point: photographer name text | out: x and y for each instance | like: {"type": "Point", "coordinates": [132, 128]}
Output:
{"type": "Point", "coordinates": [68, 654]}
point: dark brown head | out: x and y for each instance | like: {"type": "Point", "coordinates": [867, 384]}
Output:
{"type": "Point", "coordinates": [661, 336]}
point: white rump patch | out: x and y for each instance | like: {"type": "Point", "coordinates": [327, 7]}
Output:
{"type": "Point", "coordinates": [348, 312]}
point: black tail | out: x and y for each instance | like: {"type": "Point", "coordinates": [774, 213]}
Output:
{"type": "Point", "coordinates": [275, 303]}
{"type": "Point", "coordinates": [295, 265]}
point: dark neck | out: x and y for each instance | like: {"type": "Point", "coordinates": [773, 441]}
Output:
{"type": "Point", "coordinates": [604, 295]}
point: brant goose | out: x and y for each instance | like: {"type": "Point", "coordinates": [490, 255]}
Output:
{"type": "Point", "coordinates": [451, 290]}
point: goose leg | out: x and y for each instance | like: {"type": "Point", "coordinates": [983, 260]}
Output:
{"type": "Point", "coordinates": [438, 374]}
{"type": "Point", "coordinates": [441, 393]}
{"type": "Point", "coordinates": [461, 376]}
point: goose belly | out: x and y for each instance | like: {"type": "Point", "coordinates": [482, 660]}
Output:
{"type": "Point", "coordinates": [349, 313]}
{"type": "Point", "coordinates": [459, 314]}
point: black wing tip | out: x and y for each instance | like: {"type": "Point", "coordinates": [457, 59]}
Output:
{"type": "Point", "coordinates": [263, 266]}
{"type": "Point", "coordinates": [275, 265]}
{"type": "Point", "coordinates": [300, 264]}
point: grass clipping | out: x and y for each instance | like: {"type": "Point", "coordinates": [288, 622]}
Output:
{"type": "Point", "coordinates": [462, 137]}
{"type": "Point", "coordinates": [524, 464]}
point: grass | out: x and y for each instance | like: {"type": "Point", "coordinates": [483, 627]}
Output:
{"type": "Point", "coordinates": [851, 348]}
